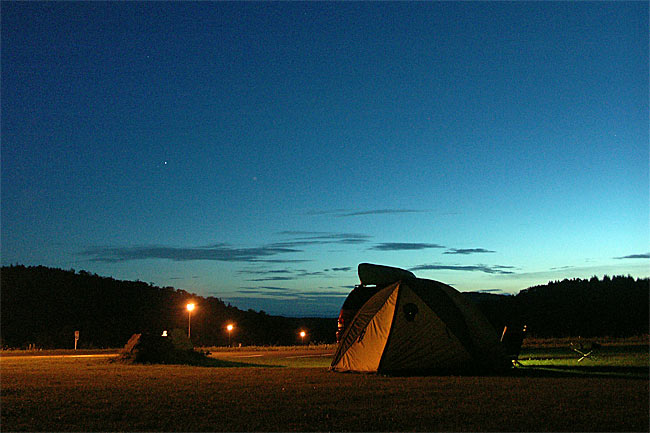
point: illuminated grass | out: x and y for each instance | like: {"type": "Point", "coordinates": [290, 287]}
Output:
{"type": "Point", "coordinates": [280, 358]}
{"type": "Point", "coordinates": [309, 347]}
{"type": "Point", "coordinates": [611, 359]}
{"type": "Point", "coordinates": [92, 394]}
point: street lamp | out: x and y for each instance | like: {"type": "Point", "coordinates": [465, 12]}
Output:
{"type": "Point", "coordinates": [302, 336]}
{"type": "Point", "coordinates": [190, 307]}
{"type": "Point", "coordinates": [229, 328]}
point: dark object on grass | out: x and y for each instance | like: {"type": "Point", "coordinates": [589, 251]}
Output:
{"type": "Point", "coordinates": [511, 339]}
{"type": "Point", "coordinates": [156, 349]}
{"type": "Point", "coordinates": [585, 352]}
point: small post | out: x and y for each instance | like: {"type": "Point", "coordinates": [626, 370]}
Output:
{"type": "Point", "coordinates": [76, 338]}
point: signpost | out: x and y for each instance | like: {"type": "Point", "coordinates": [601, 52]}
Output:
{"type": "Point", "coordinates": [76, 338]}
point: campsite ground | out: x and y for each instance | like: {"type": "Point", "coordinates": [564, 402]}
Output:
{"type": "Point", "coordinates": [290, 389]}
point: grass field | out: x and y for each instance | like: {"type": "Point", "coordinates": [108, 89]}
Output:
{"type": "Point", "coordinates": [290, 389]}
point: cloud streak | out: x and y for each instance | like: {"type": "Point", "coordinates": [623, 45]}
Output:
{"type": "Point", "coordinates": [272, 279]}
{"type": "Point", "coordinates": [215, 252]}
{"type": "Point", "coordinates": [466, 251]}
{"type": "Point", "coordinates": [344, 269]}
{"type": "Point", "coordinates": [284, 293]}
{"type": "Point", "coordinates": [224, 252]}
{"type": "Point", "coordinates": [305, 238]}
{"type": "Point", "coordinates": [288, 274]}
{"type": "Point", "coordinates": [403, 246]}
{"type": "Point", "coordinates": [635, 256]}
{"type": "Point", "coordinates": [494, 269]}
{"type": "Point", "coordinates": [343, 213]}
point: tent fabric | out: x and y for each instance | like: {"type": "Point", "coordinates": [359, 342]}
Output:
{"type": "Point", "coordinates": [423, 341]}
{"type": "Point", "coordinates": [363, 342]}
{"type": "Point", "coordinates": [418, 324]}
{"type": "Point", "coordinates": [380, 275]}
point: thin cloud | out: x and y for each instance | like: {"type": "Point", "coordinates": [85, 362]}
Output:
{"type": "Point", "coordinates": [561, 268]}
{"type": "Point", "coordinates": [468, 251]}
{"type": "Point", "coordinates": [287, 293]}
{"type": "Point", "coordinates": [380, 212]}
{"type": "Point", "coordinates": [265, 290]}
{"type": "Point", "coordinates": [215, 252]}
{"type": "Point", "coordinates": [321, 294]}
{"type": "Point", "coordinates": [265, 271]}
{"type": "Point", "coordinates": [272, 279]}
{"type": "Point", "coordinates": [403, 246]}
{"type": "Point", "coordinates": [286, 274]}
{"type": "Point", "coordinates": [344, 213]}
{"type": "Point", "coordinates": [272, 288]}
{"type": "Point", "coordinates": [282, 261]}
{"type": "Point", "coordinates": [635, 256]}
{"type": "Point", "coordinates": [260, 294]}
{"type": "Point", "coordinates": [497, 269]}
{"type": "Point", "coordinates": [310, 274]}
{"type": "Point", "coordinates": [305, 238]}
{"type": "Point", "coordinates": [298, 274]}
{"type": "Point", "coordinates": [498, 291]}
{"type": "Point", "coordinates": [283, 274]}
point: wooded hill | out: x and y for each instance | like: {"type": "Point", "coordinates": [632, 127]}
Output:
{"type": "Point", "coordinates": [614, 307]}
{"type": "Point", "coordinates": [44, 306]}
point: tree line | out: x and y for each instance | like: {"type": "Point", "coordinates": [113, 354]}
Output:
{"type": "Point", "coordinates": [44, 306]}
{"type": "Point", "coordinates": [612, 306]}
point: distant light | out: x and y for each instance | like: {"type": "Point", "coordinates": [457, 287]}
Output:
{"type": "Point", "coordinates": [302, 334]}
{"type": "Point", "coordinates": [229, 327]}
{"type": "Point", "coordinates": [164, 334]}
{"type": "Point", "coordinates": [190, 307]}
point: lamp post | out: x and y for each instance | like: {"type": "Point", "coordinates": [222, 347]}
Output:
{"type": "Point", "coordinates": [229, 328]}
{"type": "Point", "coordinates": [190, 307]}
{"type": "Point", "coordinates": [302, 337]}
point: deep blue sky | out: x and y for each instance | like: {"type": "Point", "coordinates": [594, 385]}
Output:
{"type": "Point", "coordinates": [258, 152]}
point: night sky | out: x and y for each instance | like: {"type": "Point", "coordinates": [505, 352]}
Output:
{"type": "Point", "coordinates": [258, 152]}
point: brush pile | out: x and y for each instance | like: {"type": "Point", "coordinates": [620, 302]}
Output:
{"type": "Point", "coordinates": [156, 349]}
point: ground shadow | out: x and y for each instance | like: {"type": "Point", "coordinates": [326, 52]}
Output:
{"type": "Point", "coordinates": [622, 372]}
{"type": "Point", "coordinates": [220, 363]}
{"type": "Point", "coordinates": [580, 371]}
{"type": "Point", "coordinates": [194, 361]}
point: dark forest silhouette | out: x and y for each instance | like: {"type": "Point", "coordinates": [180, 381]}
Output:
{"type": "Point", "coordinates": [613, 307]}
{"type": "Point", "coordinates": [44, 306]}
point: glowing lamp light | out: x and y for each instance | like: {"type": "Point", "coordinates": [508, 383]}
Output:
{"type": "Point", "coordinates": [189, 307]}
{"type": "Point", "coordinates": [302, 334]}
{"type": "Point", "coordinates": [229, 327]}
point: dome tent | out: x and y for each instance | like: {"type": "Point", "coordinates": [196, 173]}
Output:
{"type": "Point", "coordinates": [414, 324]}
